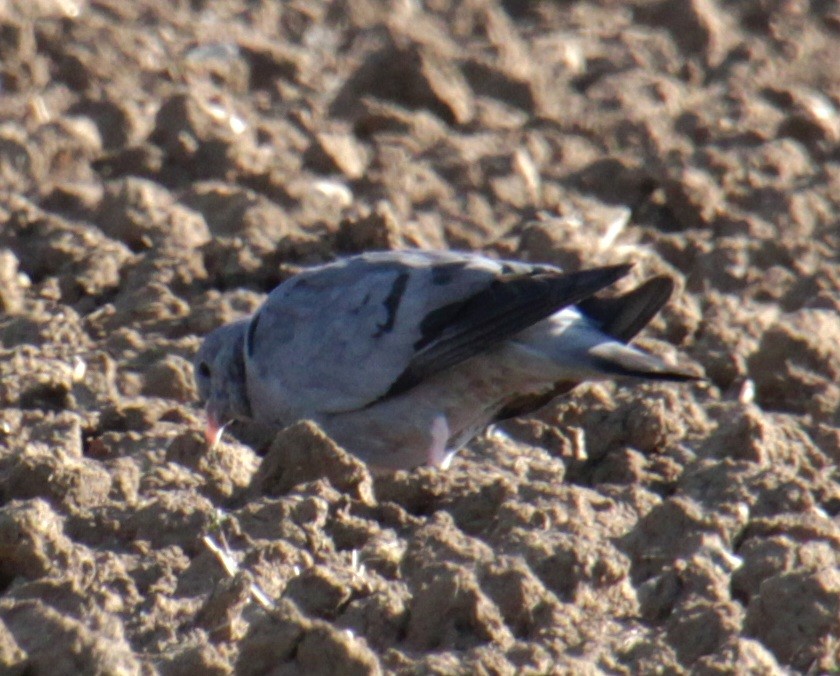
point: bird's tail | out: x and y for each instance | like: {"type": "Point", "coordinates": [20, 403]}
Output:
{"type": "Point", "coordinates": [572, 346]}
{"type": "Point", "coordinates": [622, 317]}
{"type": "Point", "coordinates": [616, 359]}
{"type": "Point", "coordinates": [590, 343]}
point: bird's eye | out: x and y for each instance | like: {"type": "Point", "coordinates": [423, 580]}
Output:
{"type": "Point", "coordinates": [204, 370]}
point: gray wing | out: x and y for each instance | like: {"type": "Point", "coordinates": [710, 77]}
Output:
{"type": "Point", "coordinates": [508, 305]}
{"type": "Point", "coordinates": [339, 337]}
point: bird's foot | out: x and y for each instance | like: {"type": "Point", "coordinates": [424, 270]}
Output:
{"type": "Point", "coordinates": [438, 455]}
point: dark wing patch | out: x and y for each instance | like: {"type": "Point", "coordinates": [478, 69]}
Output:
{"type": "Point", "coordinates": [507, 269]}
{"type": "Point", "coordinates": [444, 273]}
{"type": "Point", "coordinates": [622, 317]}
{"type": "Point", "coordinates": [392, 304]}
{"type": "Point", "coordinates": [455, 333]}
{"type": "Point", "coordinates": [436, 321]}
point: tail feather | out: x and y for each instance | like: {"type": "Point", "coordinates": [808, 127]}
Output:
{"type": "Point", "coordinates": [619, 318]}
{"type": "Point", "coordinates": [622, 317]}
{"type": "Point", "coordinates": [628, 362]}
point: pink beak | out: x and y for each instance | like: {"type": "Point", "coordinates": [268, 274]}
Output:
{"type": "Point", "coordinates": [213, 430]}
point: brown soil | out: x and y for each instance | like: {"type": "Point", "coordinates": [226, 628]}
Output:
{"type": "Point", "coordinates": [163, 165]}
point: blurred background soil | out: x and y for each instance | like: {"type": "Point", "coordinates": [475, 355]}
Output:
{"type": "Point", "coordinates": [163, 165]}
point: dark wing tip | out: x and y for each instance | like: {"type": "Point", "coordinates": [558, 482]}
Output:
{"type": "Point", "coordinates": [570, 288]}
{"type": "Point", "coordinates": [508, 305]}
{"type": "Point", "coordinates": [604, 273]}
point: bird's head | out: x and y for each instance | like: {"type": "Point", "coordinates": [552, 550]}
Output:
{"type": "Point", "coordinates": [220, 375]}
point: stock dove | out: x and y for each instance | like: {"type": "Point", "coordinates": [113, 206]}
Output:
{"type": "Point", "coordinates": [403, 357]}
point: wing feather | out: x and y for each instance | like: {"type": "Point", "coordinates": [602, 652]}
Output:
{"type": "Point", "coordinates": [507, 306]}
{"type": "Point", "coordinates": [342, 336]}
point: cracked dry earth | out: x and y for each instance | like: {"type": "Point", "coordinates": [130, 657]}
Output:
{"type": "Point", "coordinates": [163, 165]}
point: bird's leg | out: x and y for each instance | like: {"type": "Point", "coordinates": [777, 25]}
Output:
{"type": "Point", "coordinates": [438, 455]}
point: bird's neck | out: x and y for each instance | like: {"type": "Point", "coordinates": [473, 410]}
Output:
{"type": "Point", "coordinates": [239, 399]}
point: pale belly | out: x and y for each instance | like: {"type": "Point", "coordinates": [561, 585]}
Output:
{"type": "Point", "coordinates": [430, 422]}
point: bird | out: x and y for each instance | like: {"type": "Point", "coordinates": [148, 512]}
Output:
{"type": "Point", "coordinates": [403, 357]}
